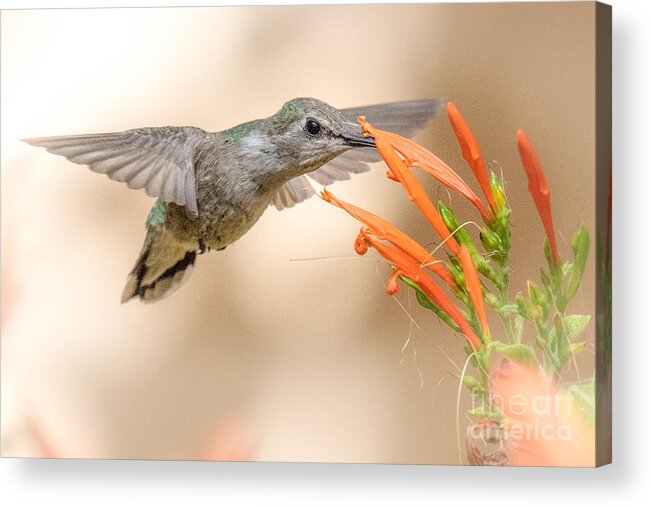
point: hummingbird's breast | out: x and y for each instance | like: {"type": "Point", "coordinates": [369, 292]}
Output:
{"type": "Point", "coordinates": [230, 196]}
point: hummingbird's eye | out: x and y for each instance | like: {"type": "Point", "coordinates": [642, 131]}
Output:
{"type": "Point", "coordinates": [313, 127]}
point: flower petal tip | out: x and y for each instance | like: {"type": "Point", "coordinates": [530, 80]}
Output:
{"type": "Point", "coordinates": [538, 188]}
{"type": "Point", "coordinates": [392, 283]}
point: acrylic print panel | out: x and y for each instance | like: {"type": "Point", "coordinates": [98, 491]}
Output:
{"type": "Point", "coordinates": [491, 235]}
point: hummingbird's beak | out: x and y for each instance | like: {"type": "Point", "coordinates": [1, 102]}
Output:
{"type": "Point", "coordinates": [358, 141]}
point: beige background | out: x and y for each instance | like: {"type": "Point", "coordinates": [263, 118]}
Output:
{"type": "Point", "coordinates": [304, 358]}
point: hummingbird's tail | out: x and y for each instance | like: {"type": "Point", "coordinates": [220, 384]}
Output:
{"type": "Point", "coordinates": [163, 266]}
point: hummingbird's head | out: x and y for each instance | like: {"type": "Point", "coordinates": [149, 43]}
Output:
{"type": "Point", "coordinates": [309, 133]}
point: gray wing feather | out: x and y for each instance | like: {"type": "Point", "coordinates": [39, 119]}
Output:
{"type": "Point", "coordinates": [404, 118]}
{"type": "Point", "coordinates": [354, 161]}
{"type": "Point", "coordinates": [159, 159]}
{"type": "Point", "coordinates": [294, 191]}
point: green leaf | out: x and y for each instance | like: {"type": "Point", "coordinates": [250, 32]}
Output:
{"type": "Point", "coordinates": [518, 324]}
{"type": "Point", "coordinates": [509, 309]}
{"type": "Point", "coordinates": [492, 300]}
{"type": "Point", "coordinates": [517, 352]}
{"type": "Point", "coordinates": [524, 306]}
{"type": "Point", "coordinates": [575, 324]}
{"type": "Point", "coordinates": [577, 347]}
{"type": "Point", "coordinates": [581, 248]}
{"type": "Point", "coordinates": [473, 384]}
{"type": "Point", "coordinates": [583, 399]}
{"type": "Point", "coordinates": [537, 295]}
{"type": "Point", "coordinates": [426, 302]}
{"type": "Point", "coordinates": [538, 299]}
{"type": "Point", "coordinates": [557, 340]}
{"type": "Point", "coordinates": [545, 278]}
{"type": "Point", "coordinates": [462, 236]}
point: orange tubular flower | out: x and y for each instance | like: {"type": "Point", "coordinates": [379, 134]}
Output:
{"type": "Point", "coordinates": [538, 189]}
{"type": "Point", "coordinates": [384, 230]}
{"type": "Point", "coordinates": [470, 152]}
{"type": "Point", "coordinates": [473, 285]}
{"type": "Point", "coordinates": [413, 155]}
{"type": "Point", "coordinates": [406, 266]}
{"type": "Point", "coordinates": [415, 192]}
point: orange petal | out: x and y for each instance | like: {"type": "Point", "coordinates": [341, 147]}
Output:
{"type": "Point", "coordinates": [414, 155]}
{"type": "Point", "coordinates": [405, 266]}
{"type": "Point", "coordinates": [387, 231]}
{"type": "Point", "coordinates": [392, 283]}
{"type": "Point", "coordinates": [473, 285]}
{"type": "Point", "coordinates": [538, 189]}
{"type": "Point", "coordinates": [470, 152]}
{"type": "Point", "coordinates": [361, 247]}
{"type": "Point", "coordinates": [416, 193]}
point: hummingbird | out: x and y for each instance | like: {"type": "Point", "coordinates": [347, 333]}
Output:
{"type": "Point", "coordinates": [212, 187]}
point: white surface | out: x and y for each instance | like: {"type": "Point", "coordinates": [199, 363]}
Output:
{"type": "Point", "coordinates": [52, 483]}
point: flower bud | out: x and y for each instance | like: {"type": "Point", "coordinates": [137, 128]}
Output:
{"type": "Point", "coordinates": [498, 192]}
{"type": "Point", "coordinates": [490, 240]}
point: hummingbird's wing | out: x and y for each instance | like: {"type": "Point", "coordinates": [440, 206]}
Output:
{"type": "Point", "coordinates": [295, 190]}
{"type": "Point", "coordinates": [404, 118]}
{"type": "Point", "coordinates": [159, 159]}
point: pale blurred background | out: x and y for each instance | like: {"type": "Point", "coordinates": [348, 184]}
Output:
{"type": "Point", "coordinates": [261, 353]}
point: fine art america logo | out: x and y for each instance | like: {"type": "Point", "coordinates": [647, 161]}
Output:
{"type": "Point", "coordinates": [540, 417]}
